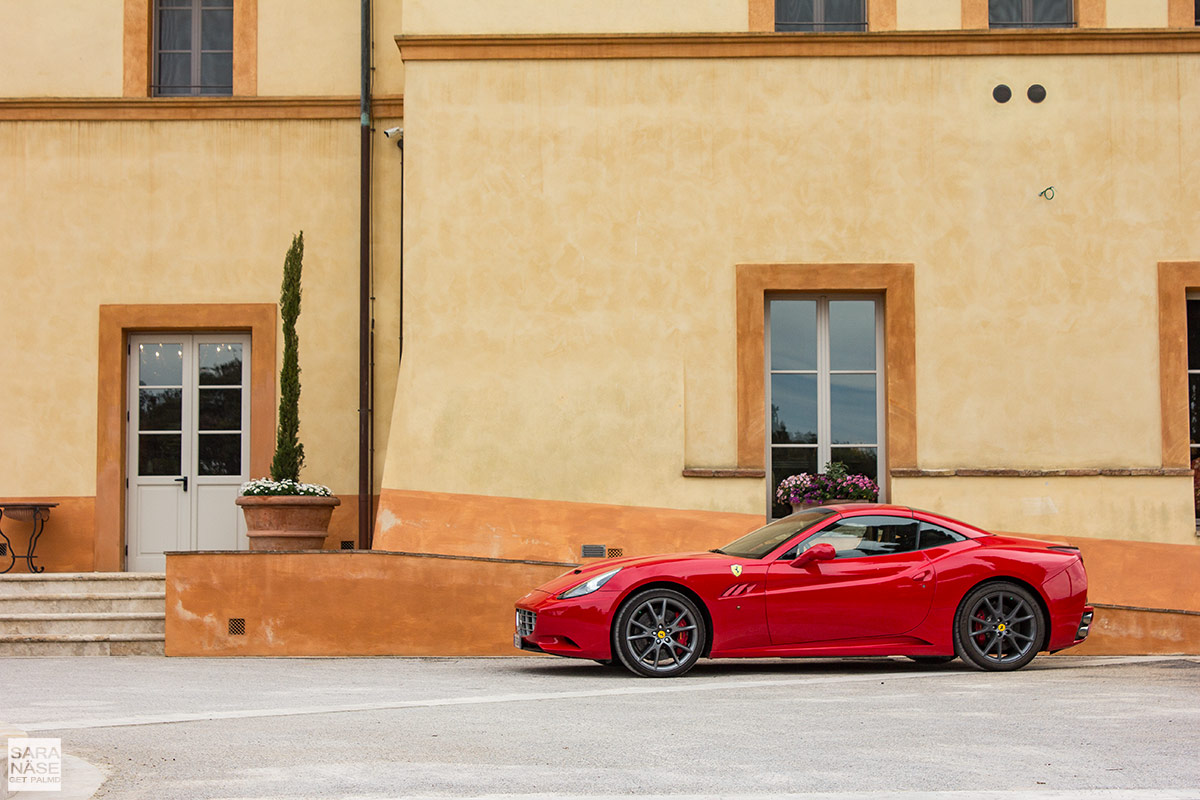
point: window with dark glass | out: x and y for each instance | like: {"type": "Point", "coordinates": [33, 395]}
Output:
{"type": "Point", "coordinates": [1031, 13]}
{"type": "Point", "coordinates": [825, 387]}
{"type": "Point", "coordinates": [820, 15]}
{"type": "Point", "coordinates": [857, 537]}
{"type": "Point", "coordinates": [936, 536]}
{"type": "Point", "coordinates": [193, 47]}
{"type": "Point", "coordinates": [1193, 353]}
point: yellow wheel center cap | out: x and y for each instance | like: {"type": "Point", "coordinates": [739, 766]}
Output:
{"type": "Point", "coordinates": [1001, 627]}
{"type": "Point", "coordinates": [662, 634]}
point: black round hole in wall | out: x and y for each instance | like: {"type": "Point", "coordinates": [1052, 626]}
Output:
{"type": "Point", "coordinates": [1002, 94]}
{"type": "Point", "coordinates": [1037, 93]}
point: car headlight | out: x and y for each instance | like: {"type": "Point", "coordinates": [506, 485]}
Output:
{"type": "Point", "coordinates": [589, 586]}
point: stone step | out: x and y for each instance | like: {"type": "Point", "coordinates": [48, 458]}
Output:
{"type": "Point", "coordinates": [83, 603]}
{"type": "Point", "coordinates": [86, 582]}
{"type": "Point", "coordinates": [116, 644]}
{"type": "Point", "coordinates": [87, 623]}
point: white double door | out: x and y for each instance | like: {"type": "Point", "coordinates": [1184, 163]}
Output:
{"type": "Point", "coordinates": [188, 449]}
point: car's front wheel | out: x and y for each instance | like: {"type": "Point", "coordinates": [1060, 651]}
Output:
{"type": "Point", "coordinates": [659, 633]}
{"type": "Point", "coordinates": [998, 627]}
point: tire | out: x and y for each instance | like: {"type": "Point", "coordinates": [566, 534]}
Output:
{"type": "Point", "coordinates": [931, 661]}
{"type": "Point", "coordinates": [998, 627]}
{"type": "Point", "coordinates": [659, 633]}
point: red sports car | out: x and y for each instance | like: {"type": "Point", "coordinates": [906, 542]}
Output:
{"type": "Point", "coordinates": [862, 579]}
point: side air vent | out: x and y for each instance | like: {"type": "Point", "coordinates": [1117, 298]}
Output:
{"type": "Point", "coordinates": [237, 626]}
{"type": "Point", "coordinates": [739, 589]}
{"type": "Point", "coordinates": [594, 551]}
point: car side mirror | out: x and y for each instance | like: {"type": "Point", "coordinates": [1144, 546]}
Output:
{"type": "Point", "coordinates": [818, 552]}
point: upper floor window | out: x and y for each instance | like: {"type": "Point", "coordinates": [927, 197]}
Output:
{"type": "Point", "coordinates": [193, 47]}
{"type": "Point", "coordinates": [1030, 13]}
{"type": "Point", "coordinates": [820, 15]}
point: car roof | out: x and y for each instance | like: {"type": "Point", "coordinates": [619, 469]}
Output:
{"type": "Point", "coordinates": [932, 516]}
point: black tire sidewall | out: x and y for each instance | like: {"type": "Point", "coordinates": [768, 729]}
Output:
{"type": "Point", "coordinates": [964, 648]}
{"type": "Point", "coordinates": [620, 647]}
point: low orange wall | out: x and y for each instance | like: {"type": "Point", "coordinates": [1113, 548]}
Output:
{"type": "Point", "coordinates": [344, 604]}
{"type": "Point", "coordinates": [554, 530]}
{"type": "Point", "coordinates": [68, 541]}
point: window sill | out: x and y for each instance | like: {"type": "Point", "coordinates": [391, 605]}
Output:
{"type": "Point", "coordinates": [1115, 472]}
{"type": "Point", "coordinates": [723, 472]}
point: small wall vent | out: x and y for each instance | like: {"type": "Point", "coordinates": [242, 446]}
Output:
{"type": "Point", "coordinates": [615, 552]}
{"type": "Point", "coordinates": [3, 549]}
{"type": "Point", "coordinates": [347, 545]}
{"type": "Point", "coordinates": [237, 626]}
{"type": "Point", "coordinates": [594, 551]}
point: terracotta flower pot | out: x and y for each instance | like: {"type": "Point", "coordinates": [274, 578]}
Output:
{"type": "Point", "coordinates": [287, 522]}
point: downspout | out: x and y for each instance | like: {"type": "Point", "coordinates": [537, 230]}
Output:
{"type": "Point", "coordinates": [364, 293]}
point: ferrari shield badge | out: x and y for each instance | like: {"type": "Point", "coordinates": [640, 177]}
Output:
{"type": "Point", "coordinates": [736, 569]}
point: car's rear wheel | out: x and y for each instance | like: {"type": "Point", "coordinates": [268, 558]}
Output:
{"type": "Point", "coordinates": [931, 661]}
{"type": "Point", "coordinates": [659, 633]}
{"type": "Point", "coordinates": [998, 627]}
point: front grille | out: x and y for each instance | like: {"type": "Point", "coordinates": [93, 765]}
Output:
{"type": "Point", "coordinates": [525, 622]}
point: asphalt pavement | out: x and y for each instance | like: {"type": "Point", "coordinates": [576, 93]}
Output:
{"type": "Point", "coordinates": [1065, 728]}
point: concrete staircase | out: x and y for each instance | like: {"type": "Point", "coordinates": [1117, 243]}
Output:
{"type": "Point", "coordinates": [82, 614]}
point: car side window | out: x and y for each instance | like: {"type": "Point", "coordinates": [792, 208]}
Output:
{"type": "Point", "coordinates": [936, 536]}
{"type": "Point", "coordinates": [858, 537]}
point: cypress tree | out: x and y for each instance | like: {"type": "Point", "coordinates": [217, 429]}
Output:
{"type": "Point", "coordinates": [289, 452]}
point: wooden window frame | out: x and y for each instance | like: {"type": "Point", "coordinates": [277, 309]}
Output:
{"type": "Point", "coordinates": [1175, 280]}
{"type": "Point", "coordinates": [117, 322]}
{"type": "Point", "coordinates": [894, 282]}
{"type": "Point", "coordinates": [138, 59]}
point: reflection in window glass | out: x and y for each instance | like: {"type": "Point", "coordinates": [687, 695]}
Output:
{"type": "Point", "coordinates": [857, 537]}
{"type": "Point", "coordinates": [220, 364]}
{"type": "Point", "coordinates": [160, 364]}
{"type": "Point", "coordinates": [937, 536]}
{"type": "Point", "coordinates": [794, 334]}
{"type": "Point", "coordinates": [851, 335]}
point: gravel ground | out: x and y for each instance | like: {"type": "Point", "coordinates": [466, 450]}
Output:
{"type": "Point", "coordinates": [1065, 728]}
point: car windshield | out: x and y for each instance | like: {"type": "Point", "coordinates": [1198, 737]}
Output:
{"type": "Point", "coordinates": [757, 544]}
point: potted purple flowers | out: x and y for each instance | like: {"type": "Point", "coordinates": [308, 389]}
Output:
{"type": "Point", "coordinates": [834, 484]}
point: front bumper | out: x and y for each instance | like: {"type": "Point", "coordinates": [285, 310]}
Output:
{"type": "Point", "coordinates": [577, 628]}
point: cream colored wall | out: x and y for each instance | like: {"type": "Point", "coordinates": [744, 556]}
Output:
{"type": "Point", "coordinates": [175, 212]}
{"type": "Point", "coordinates": [1137, 13]}
{"type": "Point", "coordinates": [928, 15]}
{"type": "Point", "coordinates": [574, 226]}
{"type": "Point", "coordinates": [68, 48]}
{"type": "Point", "coordinates": [573, 16]}
{"type": "Point", "coordinates": [1141, 508]}
{"type": "Point", "coordinates": [389, 68]}
{"type": "Point", "coordinates": [309, 47]}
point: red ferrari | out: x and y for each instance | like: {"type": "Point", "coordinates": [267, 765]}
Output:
{"type": "Point", "coordinates": [849, 580]}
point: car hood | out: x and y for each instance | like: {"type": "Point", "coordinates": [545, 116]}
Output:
{"type": "Point", "coordinates": [583, 573]}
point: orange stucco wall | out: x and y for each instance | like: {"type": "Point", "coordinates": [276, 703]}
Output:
{"type": "Point", "coordinates": [544, 530]}
{"type": "Point", "coordinates": [67, 543]}
{"type": "Point", "coordinates": [343, 603]}
{"type": "Point", "coordinates": [381, 603]}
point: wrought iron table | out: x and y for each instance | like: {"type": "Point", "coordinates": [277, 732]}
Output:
{"type": "Point", "coordinates": [37, 513]}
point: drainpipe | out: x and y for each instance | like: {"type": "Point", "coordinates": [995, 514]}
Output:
{"type": "Point", "coordinates": [364, 293]}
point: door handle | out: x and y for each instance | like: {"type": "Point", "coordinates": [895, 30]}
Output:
{"type": "Point", "coordinates": [184, 480]}
{"type": "Point", "coordinates": [920, 577]}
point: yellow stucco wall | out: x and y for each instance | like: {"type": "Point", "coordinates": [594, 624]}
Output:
{"type": "Point", "coordinates": [928, 15]}
{"type": "Point", "coordinates": [1138, 508]}
{"type": "Point", "coordinates": [1137, 13]}
{"type": "Point", "coordinates": [573, 16]}
{"type": "Point", "coordinates": [309, 47]}
{"type": "Point", "coordinates": [608, 202]}
{"type": "Point", "coordinates": [68, 48]}
{"type": "Point", "coordinates": [178, 212]}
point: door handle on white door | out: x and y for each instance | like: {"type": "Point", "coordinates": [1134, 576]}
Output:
{"type": "Point", "coordinates": [184, 479]}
